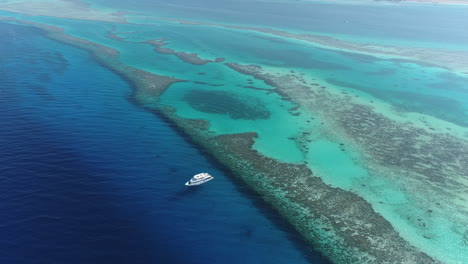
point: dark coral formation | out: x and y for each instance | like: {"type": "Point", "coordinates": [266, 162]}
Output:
{"type": "Point", "coordinates": [220, 102]}
{"type": "Point", "coordinates": [151, 84]}
{"type": "Point", "coordinates": [449, 59]}
{"type": "Point", "coordinates": [112, 34]}
{"type": "Point", "coordinates": [191, 58]}
{"type": "Point", "coordinates": [431, 155]}
{"type": "Point", "coordinates": [438, 106]}
{"type": "Point", "coordinates": [327, 216]}
{"type": "Point", "coordinates": [210, 84]}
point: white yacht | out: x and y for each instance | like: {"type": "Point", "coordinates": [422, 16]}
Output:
{"type": "Point", "coordinates": [199, 179]}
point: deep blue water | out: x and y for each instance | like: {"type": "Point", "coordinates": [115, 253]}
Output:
{"type": "Point", "coordinates": [88, 177]}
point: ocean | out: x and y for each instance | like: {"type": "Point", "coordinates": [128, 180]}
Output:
{"type": "Point", "coordinates": [368, 120]}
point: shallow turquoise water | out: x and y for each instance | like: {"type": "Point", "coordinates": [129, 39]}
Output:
{"type": "Point", "coordinates": [278, 127]}
{"type": "Point", "coordinates": [406, 85]}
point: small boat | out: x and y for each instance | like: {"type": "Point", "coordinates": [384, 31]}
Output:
{"type": "Point", "coordinates": [199, 179]}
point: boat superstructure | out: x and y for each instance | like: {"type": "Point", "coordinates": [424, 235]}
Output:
{"type": "Point", "coordinates": [199, 179]}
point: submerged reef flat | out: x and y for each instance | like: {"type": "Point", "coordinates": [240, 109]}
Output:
{"type": "Point", "coordinates": [192, 58]}
{"type": "Point", "coordinates": [421, 160]}
{"type": "Point", "coordinates": [453, 60]}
